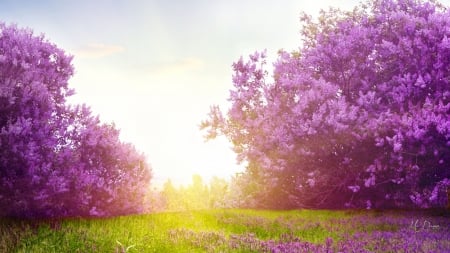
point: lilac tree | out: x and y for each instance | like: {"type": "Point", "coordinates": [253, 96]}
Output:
{"type": "Point", "coordinates": [357, 117]}
{"type": "Point", "coordinates": [55, 159]}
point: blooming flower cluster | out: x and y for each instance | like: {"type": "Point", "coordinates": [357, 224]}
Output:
{"type": "Point", "coordinates": [56, 159]}
{"type": "Point", "coordinates": [355, 234]}
{"type": "Point", "coordinates": [363, 106]}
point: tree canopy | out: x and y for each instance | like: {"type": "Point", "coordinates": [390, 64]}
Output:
{"type": "Point", "coordinates": [358, 116]}
{"type": "Point", "coordinates": [57, 159]}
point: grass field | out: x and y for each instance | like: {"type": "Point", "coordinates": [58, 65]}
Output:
{"type": "Point", "coordinates": [234, 231]}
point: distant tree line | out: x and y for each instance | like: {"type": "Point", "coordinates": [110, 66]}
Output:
{"type": "Point", "coordinates": [200, 195]}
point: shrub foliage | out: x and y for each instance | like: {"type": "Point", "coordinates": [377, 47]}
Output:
{"type": "Point", "coordinates": [358, 116]}
{"type": "Point", "coordinates": [57, 159]}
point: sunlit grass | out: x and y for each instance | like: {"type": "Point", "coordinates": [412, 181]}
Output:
{"type": "Point", "coordinates": [198, 231]}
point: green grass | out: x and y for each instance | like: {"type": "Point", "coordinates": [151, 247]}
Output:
{"type": "Point", "coordinates": [189, 231]}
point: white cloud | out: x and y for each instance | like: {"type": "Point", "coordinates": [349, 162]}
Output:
{"type": "Point", "coordinates": [180, 66]}
{"type": "Point", "coordinates": [97, 50]}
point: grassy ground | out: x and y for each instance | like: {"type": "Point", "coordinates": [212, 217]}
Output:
{"type": "Point", "coordinates": [233, 231]}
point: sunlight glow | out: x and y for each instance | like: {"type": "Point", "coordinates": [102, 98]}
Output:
{"type": "Point", "coordinates": [155, 68]}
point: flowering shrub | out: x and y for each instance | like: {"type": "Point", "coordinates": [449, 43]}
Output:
{"type": "Point", "coordinates": [357, 117]}
{"type": "Point", "coordinates": [55, 159]}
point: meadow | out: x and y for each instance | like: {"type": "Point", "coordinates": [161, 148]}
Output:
{"type": "Point", "coordinates": [234, 230]}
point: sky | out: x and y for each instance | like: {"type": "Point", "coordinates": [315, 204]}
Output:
{"type": "Point", "coordinates": [155, 67]}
